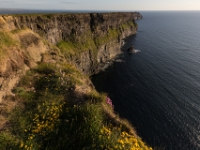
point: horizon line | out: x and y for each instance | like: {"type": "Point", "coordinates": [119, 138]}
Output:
{"type": "Point", "coordinates": [90, 9]}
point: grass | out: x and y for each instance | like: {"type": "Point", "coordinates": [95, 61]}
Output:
{"type": "Point", "coordinates": [8, 141]}
{"type": "Point", "coordinates": [49, 119]}
{"type": "Point", "coordinates": [129, 24]}
{"type": "Point", "coordinates": [6, 40]}
{"type": "Point", "coordinates": [111, 35]}
{"type": "Point", "coordinates": [67, 48]}
{"type": "Point", "coordinates": [77, 44]}
{"type": "Point", "coordinates": [2, 53]}
{"type": "Point", "coordinates": [16, 31]}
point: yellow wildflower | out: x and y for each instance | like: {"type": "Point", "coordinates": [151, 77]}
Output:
{"type": "Point", "coordinates": [21, 145]}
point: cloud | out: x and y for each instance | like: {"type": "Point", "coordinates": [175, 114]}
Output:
{"type": "Point", "coordinates": [69, 2]}
{"type": "Point", "coordinates": [7, 1]}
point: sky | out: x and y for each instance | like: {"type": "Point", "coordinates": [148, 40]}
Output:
{"type": "Point", "coordinates": [102, 4]}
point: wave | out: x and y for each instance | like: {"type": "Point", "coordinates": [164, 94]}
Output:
{"type": "Point", "coordinates": [135, 51]}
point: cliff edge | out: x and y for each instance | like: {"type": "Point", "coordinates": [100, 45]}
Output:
{"type": "Point", "coordinates": [47, 100]}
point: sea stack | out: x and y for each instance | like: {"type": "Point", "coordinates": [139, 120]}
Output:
{"type": "Point", "coordinates": [131, 49]}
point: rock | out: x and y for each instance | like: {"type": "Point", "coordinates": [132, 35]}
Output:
{"type": "Point", "coordinates": [131, 49]}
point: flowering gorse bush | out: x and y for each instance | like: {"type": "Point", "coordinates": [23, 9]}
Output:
{"type": "Point", "coordinates": [44, 122]}
{"type": "Point", "coordinates": [120, 140]}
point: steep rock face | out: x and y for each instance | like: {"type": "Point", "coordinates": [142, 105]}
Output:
{"type": "Point", "coordinates": [61, 27]}
{"type": "Point", "coordinates": [85, 40]}
{"type": "Point", "coordinates": [80, 28]}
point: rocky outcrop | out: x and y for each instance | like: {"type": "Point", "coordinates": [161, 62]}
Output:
{"type": "Point", "coordinates": [131, 49]}
{"type": "Point", "coordinates": [85, 40]}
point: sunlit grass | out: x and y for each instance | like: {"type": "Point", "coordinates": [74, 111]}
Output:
{"type": "Point", "coordinates": [6, 40]}
{"type": "Point", "coordinates": [48, 118]}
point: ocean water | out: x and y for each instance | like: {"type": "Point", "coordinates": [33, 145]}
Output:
{"type": "Point", "coordinates": [158, 88]}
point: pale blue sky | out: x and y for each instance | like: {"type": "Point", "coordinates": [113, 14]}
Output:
{"type": "Point", "coordinates": [103, 4]}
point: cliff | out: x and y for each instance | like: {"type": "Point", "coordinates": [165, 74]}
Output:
{"type": "Point", "coordinates": [47, 100]}
{"type": "Point", "coordinates": [85, 40]}
{"type": "Point", "coordinates": [95, 38]}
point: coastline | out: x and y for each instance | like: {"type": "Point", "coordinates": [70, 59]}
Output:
{"type": "Point", "coordinates": [54, 93]}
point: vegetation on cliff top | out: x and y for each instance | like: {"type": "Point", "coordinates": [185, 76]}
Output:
{"type": "Point", "coordinates": [52, 116]}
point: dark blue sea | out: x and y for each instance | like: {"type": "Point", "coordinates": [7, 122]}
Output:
{"type": "Point", "coordinates": [158, 88]}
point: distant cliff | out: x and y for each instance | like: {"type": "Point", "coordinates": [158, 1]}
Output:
{"type": "Point", "coordinates": [84, 40]}
{"type": "Point", "coordinates": [95, 38]}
